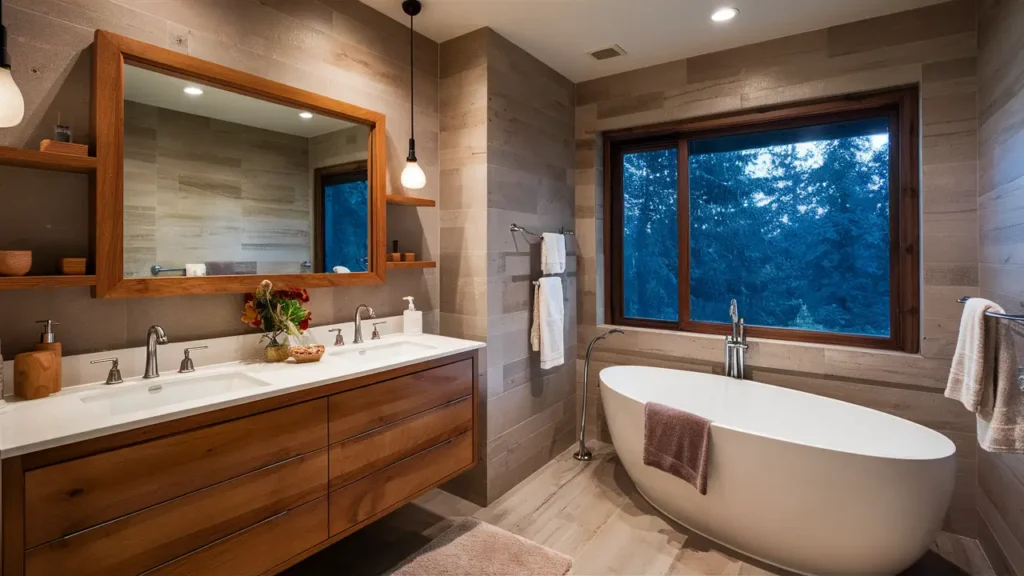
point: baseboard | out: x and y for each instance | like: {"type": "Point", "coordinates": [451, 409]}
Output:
{"type": "Point", "coordinates": [1004, 552]}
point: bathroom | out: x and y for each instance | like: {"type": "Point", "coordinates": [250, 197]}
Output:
{"type": "Point", "coordinates": [516, 124]}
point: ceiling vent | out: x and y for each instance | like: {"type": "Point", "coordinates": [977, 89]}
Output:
{"type": "Point", "coordinates": [613, 51]}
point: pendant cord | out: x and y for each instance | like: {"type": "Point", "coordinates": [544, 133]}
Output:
{"type": "Point", "coordinates": [412, 84]}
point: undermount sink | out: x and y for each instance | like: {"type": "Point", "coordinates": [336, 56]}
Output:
{"type": "Point", "coordinates": [138, 396]}
{"type": "Point", "coordinates": [382, 352]}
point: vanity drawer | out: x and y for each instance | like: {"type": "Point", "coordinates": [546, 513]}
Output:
{"type": "Point", "coordinates": [256, 550]}
{"type": "Point", "coordinates": [377, 449]}
{"type": "Point", "coordinates": [71, 496]}
{"type": "Point", "coordinates": [378, 492]}
{"type": "Point", "coordinates": [146, 539]}
{"type": "Point", "coordinates": [370, 407]}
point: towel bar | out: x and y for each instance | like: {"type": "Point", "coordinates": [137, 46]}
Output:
{"type": "Point", "coordinates": [517, 228]}
{"type": "Point", "coordinates": [156, 269]}
{"type": "Point", "coordinates": [1014, 317]}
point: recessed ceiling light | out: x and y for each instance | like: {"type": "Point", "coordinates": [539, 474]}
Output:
{"type": "Point", "coordinates": [305, 115]}
{"type": "Point", "coordinates": [193, 90]}
{"type": "Point", "coordinates": [724, 14]}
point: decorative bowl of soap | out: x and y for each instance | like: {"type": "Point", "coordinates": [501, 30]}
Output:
{"type": "Point", "coordinates": [311, 353]}
{"type": "Point", "coordinates": [15, 262]}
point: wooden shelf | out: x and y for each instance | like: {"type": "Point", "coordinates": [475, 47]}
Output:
{"type": "Point", "coordinates": [46, 160]}
{"type": "Point", "coordinates": [33, 282]}
{"type": "Point", "coordinates": [419, 264]}
{"type": "Point", "coordinates": [410, 201]}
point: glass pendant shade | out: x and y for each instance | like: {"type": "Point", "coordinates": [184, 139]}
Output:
{"type": "Point", "coordinates": [12, 105]}
{"type": "Point", "coordinates": [413, 176]}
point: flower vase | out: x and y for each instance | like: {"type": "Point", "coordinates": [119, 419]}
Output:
{"type": "Point", "coordinates": [276, 352]}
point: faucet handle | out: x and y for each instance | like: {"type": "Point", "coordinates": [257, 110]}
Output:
{"type": "Point", "coordinates": [339, 338]}
{"type": "Point", "coordinates": [186, 363]}
{"type": "Point", "coordinates": [376, 333]}
{"type": "Point", "coordinates": [114, 375]}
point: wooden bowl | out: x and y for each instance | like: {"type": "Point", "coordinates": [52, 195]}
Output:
{"type": "Point", "coordinates": [304, 354]}
{"type": "Point", "coordinates": [15, 262]}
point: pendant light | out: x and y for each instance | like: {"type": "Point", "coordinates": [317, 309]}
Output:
{"type": "Point", "coordinates": [12, 105]}
{"type": "Point", "coordinates": [412, 176]}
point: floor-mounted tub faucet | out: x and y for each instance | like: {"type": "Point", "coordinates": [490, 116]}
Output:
{"type": "Point", "coordinates": [584, 454]}
{"type": "Point", "coordinates": [735, 345]}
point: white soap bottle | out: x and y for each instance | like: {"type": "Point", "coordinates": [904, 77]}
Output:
{"type": "Point", "coordinates": [412, 319]}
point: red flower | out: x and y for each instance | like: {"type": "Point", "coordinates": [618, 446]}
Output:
{"type": "Point", "coordinates": [304, 325]}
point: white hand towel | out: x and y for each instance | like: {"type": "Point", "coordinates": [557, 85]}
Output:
{"type": "Point", "coordinates": [552, 317]}
{"type": "Point", "coordinates": [552, 253]}
{"type": "Point", "coordinates": [983, 377]}
{"type": "Point", "coordinates": [535, 327]}
{"type": "Point", "coordinates": [195, 269]}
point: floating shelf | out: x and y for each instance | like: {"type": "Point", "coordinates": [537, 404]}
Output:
{"type": "Point", "coordinates": [420, 264]}
{"type": "Point", "coordinates": [410, 201]}
{"type": "Point", "coordinates": [46, 160]}
{"type": "Point", "coordinates": [33, 282]}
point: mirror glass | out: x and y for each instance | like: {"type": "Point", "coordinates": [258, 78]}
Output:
{"type": "Point", "coordinates": [221, 183]}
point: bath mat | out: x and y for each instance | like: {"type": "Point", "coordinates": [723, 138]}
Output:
{"type": "Point", "coordinates": [472, 547]}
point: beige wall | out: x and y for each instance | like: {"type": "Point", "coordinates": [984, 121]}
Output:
{"type": "Point", "coordinates": [933, 47]}
{"type": "Point", "coordinates": [506, 156]}
{"type": "Point", "coordinates": [1001, 273]}
{"type": "Point", "coordinates": [339, 48]}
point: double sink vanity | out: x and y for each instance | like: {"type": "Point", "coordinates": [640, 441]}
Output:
{"type": "Point", "coordinates": [209, 180]}
{"type": "Point", "coordinates": [239, 468]}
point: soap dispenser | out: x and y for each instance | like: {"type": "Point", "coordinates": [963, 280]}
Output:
{"type": "Point", "coordinates": [48, 342]}
{"type": "Point", "coordinates": [412, 319]}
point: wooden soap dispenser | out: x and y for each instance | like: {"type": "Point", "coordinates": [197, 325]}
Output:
{"type": "Point", "coordinates": [48, 343]}
{"type": "Point", "coordinates": [37, 374]}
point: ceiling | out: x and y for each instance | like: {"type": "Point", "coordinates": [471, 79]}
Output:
{"type": "Point", "coordinates": [155, 89]}
{"type": "Point", "coordinates": [562, 33]}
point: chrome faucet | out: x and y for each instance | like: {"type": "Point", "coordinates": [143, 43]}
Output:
{"type": "Point", "coordinates": [735, 345]}
{"type": "Point", "coordinates": [358, 338]}
{"type": "Point", "coordinates": [153, 337]}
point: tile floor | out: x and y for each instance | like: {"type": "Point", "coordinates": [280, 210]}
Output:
{"type": "Point", "coordinates": [592, 513]}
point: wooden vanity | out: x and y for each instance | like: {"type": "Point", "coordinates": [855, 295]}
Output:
{"type": "Point", "coordinates": [249, 489]}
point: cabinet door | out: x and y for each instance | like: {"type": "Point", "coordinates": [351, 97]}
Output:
{"type": "Point", "coordinates": [151, 537]}
{"type": "Point", "coordinates": [66, 498]}
{"type": "Point", "coordinates": [380, 491]}
{"type": "Point", "coordinates": [367, 453]}
{"type": "Point", "coordinates": [370, 407]}
{"type": "Point", "coordinates": [256, 550]}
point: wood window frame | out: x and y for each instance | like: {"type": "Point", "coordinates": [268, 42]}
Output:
{"type": "Point", "coordinates": [901, 105]}
{"type": "Point", "coordinates": [336, 174]}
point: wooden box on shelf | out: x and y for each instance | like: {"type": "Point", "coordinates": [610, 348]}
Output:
{"type": "Point", "coordinates": [72, 266]}
{"type": "Point", "coordinates": [69, 148]}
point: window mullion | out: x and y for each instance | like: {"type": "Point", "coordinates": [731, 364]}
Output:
{"type": "Point", "coordinates": [683, 216]}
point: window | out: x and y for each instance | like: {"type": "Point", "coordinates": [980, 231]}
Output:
{"type": "Point", "coordinates": [806, 215]}
{"type": "Point", "coordinates": [341, 215]}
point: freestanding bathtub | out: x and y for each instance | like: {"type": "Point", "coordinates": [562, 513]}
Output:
{"type": "Point", "coordinates": [810, 484]}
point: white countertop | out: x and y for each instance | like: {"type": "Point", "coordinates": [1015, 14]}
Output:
{"type": "Point", "coordinates": [83, 412]}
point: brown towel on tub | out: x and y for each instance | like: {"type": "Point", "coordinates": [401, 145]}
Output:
{"type": "Point", "coordinates": [677, 442]}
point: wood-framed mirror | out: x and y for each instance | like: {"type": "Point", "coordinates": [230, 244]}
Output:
{"type": "Point", "coordinates": [211, 179]}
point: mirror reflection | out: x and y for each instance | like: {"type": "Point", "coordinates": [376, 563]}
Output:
{"type": "Point", "coordinates": [219, 183]}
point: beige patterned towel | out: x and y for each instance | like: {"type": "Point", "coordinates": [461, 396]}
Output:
{"type": "Point", "coordinates": [983, 377]}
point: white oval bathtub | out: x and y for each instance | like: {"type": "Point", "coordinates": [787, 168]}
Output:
{"type": "Point", "coordinates": [811, 484]}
